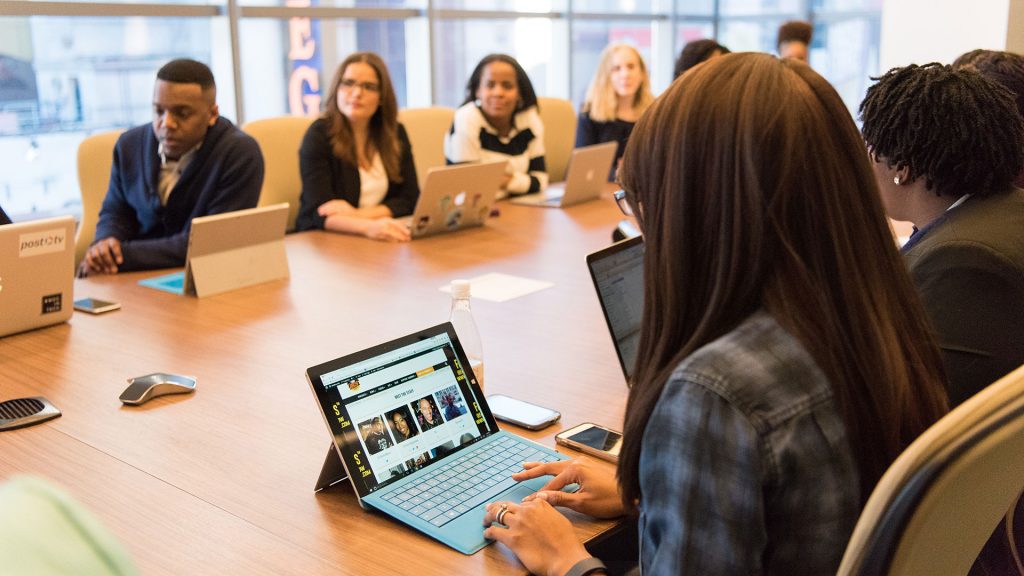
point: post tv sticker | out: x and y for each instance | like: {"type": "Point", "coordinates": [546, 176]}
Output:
{"type": "Point", "coordinates": [44, 242]}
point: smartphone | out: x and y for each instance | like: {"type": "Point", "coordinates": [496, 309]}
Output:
{"type": "Point", "coordinates": [521, 413]}
{"type": "Point", "coordinates": [94, 306]}
{"type": "Point", "coordinates": [592, 439]}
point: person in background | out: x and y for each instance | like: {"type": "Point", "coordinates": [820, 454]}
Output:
{"type": "Point", "coordinates": [1005, 68]}
{"type": "Point", "coordinates": [696, 52]}
{"type": "Point", "coordinates": [356, 162]}
{"type": "Point", "coordinates": [773, 396]}
{"type": "Point", "coordinates": [428, 416]}
{"type": "Point", "coordinates": [794, 39]}
{"type": "Point", "coordinates": [619, 93]}
{"type": "Point", "coordinates": [946, 145]}
{"type": "Point", "coordinates": [499, 120]}
{"type": "Point", "coordinates": [189, 162]}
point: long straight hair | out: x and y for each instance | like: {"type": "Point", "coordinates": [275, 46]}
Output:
{"type": "Point", "coordinates": [601, 100]}
{"type": "Point", "coordinates": [383, 123]}
{"type": "Point", "coordinates": [755, 192]}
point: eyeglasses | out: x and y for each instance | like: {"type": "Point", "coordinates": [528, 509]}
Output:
{"type": "Point", "coordinates": [349, 85]}
{"type": "Point", "coordinates": [623, 202]}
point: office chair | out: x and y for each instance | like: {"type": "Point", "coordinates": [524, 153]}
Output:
{"type": "Point", "coordinates": [426, 128]}
{"type": "Point", "coordinates": [937, 505]}
{"type": "Point", "coordinates": [95, 157]}
{"type": "Point", "coordinates": [279, 139]}
{"type": "Point", "coordinates": [559, 118]}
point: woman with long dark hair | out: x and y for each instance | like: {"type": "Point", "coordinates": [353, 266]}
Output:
{"type": "Point", "coordinates": [784, 358]}
{"type": "Point", "coordinates": [356, 161]}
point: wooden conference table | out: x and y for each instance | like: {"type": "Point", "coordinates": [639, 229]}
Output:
{"type": "Point", "coordinates": [221, 481]}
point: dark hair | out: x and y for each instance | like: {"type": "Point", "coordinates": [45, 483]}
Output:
{"type": "Point", "coordinates": [754, 192]}
{"type": "Point", "coordinates": [383, 123]}
{"type": "Point", "coordinates": [794, 31]}
{"type": "Point", "coordinates": [696, 52]}
{"type": "Point", "coordinates": [1005, 68]}
{"type": "Point", "coordinates": [956, 128]}
{"type": "Point", "coordinates": [187, 71]}
{"type": "Point", "coordinates": [527, 97]}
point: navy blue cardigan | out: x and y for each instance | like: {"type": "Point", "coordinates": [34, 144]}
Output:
{"type": "Point", "coordinates": [326, 177]}
{"type": "Point", "coordinates": [225, 175]}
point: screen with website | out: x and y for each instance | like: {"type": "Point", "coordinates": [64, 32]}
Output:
{"type": "Point", "coordinates": [400, 411]}
{"type": "Point", "coordinates": [619, 277]}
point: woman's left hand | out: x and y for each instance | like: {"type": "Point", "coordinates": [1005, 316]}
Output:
{"type": "Point", "coordinates": [538, 534]}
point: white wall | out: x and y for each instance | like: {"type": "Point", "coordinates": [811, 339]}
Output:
{"type": "Point", "coordinates": [921, 31]}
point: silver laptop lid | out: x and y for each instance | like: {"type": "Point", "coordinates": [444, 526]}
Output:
{"type": "Point", "coordinates": [37, 270]}
{"type": "Point", "coordinates": [456, 197]}
{"type": "Point", "coordinates": [588, 172]}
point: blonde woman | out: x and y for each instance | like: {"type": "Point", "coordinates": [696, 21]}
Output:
{"type": "Point", "coordinates": [617, 96]}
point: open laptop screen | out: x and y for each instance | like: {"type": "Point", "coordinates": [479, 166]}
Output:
{"type": "Point", "coordinates": [618, 274]}
{"type": "Point", "coordinates": [400, 406]}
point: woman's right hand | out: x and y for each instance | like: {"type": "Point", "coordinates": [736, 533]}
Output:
{"type": "Point", "coordinates": [598, 495]}
{"type": "Point", "coordinates": [335, 208]}
{"type": "Point", "coordinates": [388, 230]}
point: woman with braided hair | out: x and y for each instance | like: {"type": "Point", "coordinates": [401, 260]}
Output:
{"type": "Point", "coordinates": [947, 143]}
{"type": "Point", "coordinates": [946, 146]}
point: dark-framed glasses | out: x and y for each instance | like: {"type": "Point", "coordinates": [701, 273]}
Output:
{"type": "Point", "coordinates": [620, 199]}
{"type": "Point", "coordinates": [349, 85]}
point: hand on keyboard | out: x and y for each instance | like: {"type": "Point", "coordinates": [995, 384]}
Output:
{"type": "Point", "coordinates": [598, 495]}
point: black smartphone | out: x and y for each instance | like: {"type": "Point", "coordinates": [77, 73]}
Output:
{"type": "Point", "coordinates": [592, 439]}
{"type": "Point", "coordinates": [521, 413]}
{"type": "Point", "coordinates": [94, 306]}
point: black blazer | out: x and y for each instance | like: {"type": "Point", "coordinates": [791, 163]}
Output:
{"type": "Point", "coordinates": [969, 269]}
{"type": "Point", "coordinates": [326, 177]}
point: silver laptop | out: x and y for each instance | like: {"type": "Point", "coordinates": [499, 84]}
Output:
{"type": "Point", "coordinates": [230, 251]}
{"type": "Point", "coordinates": [414, 435]}
{"type": "Point", "coordinates": [586, 178]}
{"type": "Point", "coordinates": [456, 197]}
{"type": "Point", "coordinates": [37, 272]}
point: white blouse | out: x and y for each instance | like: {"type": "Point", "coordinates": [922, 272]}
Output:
{"type": "Point", "coordinates": [373, 183]}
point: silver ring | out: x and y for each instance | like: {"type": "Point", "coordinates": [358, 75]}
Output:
{"type": "Point", "coordinates": [500, 516]}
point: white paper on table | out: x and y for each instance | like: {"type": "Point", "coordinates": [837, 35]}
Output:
{"type": "Point", "coordinates": [498, 287]}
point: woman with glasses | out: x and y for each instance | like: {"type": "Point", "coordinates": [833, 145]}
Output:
{"type": "Point", "coordinates": [784, 359]}
{"type": "Point", "coordinates": [356, 161]}
{"type": "Point", "coordinates": [499, 120]}
{"type": "Point", "coordinates": [619, 93]}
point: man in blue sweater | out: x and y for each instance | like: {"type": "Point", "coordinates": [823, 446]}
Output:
{"type": "Point", "coordinates": [190, 162]}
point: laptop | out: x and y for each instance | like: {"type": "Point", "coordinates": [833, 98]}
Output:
{"type": "Point", "coordinates": [37, 273]}
{"type": "Point", "coordinates": [456, 197]}
{"type": "Point", "coordinates": [586, 178]}
{"type": "Point", "coordinates": [230, 251]}
{"type": "Point", "coordinates": [618, 275]}
{"type": "Point", "coordinates": [416, 438]}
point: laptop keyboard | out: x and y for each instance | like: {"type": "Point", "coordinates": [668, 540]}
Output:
{"type": "Point", "coordinates": [456, 487]}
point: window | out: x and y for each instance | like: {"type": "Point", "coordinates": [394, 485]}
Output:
{"type": "Point", "coordinates": [84, 67]}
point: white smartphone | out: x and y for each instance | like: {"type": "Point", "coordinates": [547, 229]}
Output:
{"type": "Point", "coordinates": [521, 413]}
{"type": "Point", "coordinates": [94, 306]}
{"type": "Point", "coordinates": [592, 439]}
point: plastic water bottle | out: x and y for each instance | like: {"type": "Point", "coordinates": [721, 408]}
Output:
{"type": "Point", "coordinates": [462, 318]}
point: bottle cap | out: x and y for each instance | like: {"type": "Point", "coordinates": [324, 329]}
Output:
{"type": "Point", "coordinates": [460, 288]}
